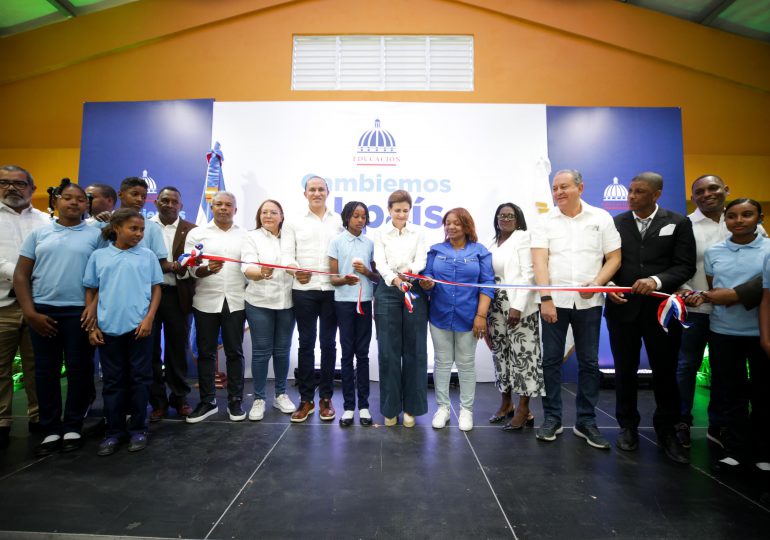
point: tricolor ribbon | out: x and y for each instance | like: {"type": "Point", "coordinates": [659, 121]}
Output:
{"type": "Point", "coordinates": [672, 305]}
{"type": "Point", "coordinates": [408, 296]}
{"type": "Point", "coordinates": [187, 260]}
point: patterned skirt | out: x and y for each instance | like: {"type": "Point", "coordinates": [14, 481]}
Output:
{"type": "Point", "coordinates": [516, 351]}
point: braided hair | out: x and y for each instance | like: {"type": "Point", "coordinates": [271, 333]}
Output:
{"type": "Point", "coordinates": [55, 192]}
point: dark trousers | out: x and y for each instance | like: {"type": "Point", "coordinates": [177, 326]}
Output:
{"type": "Point", "coordinates": [662, 351]}
{"type": "Point", "coordinates": [126, 377]}
{"type": "Point", "coordinates": [746, 436]}
{"type": "Point", "coordinates": [402, 339]}
{"type": "Point", "coordinates": [207, 326]}
{"type": "Point", "coordinates": [355, 337]}
{"type": "Point", "coordinates": [314, 309]}
{"type": "Point", "coordinates": [586, 324]}
{"type": "Point", "coordinates": [71, 345]}
{"type": "Point", "coordinates": [170, 368]}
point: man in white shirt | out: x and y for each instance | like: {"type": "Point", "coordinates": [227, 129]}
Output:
{"type": "Point", "coordinates": [17, 219]}
{"type": "Point", "coordinates": [173, 314]}
{"type": "Point", "coordinates": [218, 303]}
{"type": "Point", "coordinates": [304, 244]}
{"type": "Point", "coordinates": [574, 244]}
{"type": "Point", "coordinates": [709, 193]}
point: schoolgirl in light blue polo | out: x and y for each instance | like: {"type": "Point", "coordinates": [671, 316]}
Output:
{"type": "Point", "coordinates": [351, 254]}
{"type": "Point", "coordinates": [764, 309]}
{"type": "Point", "coordinates": [734, 340]}
{"type": "Point", "coordinates": [48, 282]}
{"type": "Point", "coordinates": [127, 279]}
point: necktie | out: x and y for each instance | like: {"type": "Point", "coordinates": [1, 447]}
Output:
{"type": "Point", "coordinates": [645, 224]}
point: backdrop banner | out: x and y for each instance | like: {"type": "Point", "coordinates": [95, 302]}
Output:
{"type": "Point", "coordinates": [446, 155]}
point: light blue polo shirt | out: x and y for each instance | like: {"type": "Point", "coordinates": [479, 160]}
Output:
{"type": "Point", "coordinates": [732, 264]}
{"type": "Point", "coordinates": [346, 247]}
{"type": "Point", "coordinates": [124, 278]}
{"type": "Point", "coordinates": [152, 240]}
{"type": "Point", "coordinates": [766, 274]}
{"type": "Point", "coordinates": [60, 254]}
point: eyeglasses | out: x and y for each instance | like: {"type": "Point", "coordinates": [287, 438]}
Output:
{"type": "Point", "coordinates": [18, 184]}
{"type": "Point", "coordinates": [506, 217]}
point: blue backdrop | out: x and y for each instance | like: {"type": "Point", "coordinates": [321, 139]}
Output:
{"type": "Point", "coordinates": [616, 143]}
{"type": "Point", "coordinates": [167, 139]}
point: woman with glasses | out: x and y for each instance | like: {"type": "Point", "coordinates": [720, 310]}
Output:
{"type": "Point", "coordinates": [269, 308]}
{"type": "Point", "coordinates": [514, 320]}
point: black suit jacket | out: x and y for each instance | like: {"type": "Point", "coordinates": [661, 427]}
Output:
{"type": "Point", "coordinates": [185, 287]}
{"type": "Point", "coordinates": [670, 257]}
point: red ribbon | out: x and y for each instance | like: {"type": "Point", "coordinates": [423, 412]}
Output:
{"type": "Point", "coordinates": [672, 305]}
{"type": "Point", "coordinates": [188, 260]}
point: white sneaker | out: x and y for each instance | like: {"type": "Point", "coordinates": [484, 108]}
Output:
{"type": "Point", "coordinates": [408, 420]}
{"type": "Point", "coordinates": [284, 404]}
{"type": "Point", "coordinates": [257, 411]}
{"type": "Point", "coordinates": [466, 420]}
{"type": "Point", "coordinates": [441, 418]}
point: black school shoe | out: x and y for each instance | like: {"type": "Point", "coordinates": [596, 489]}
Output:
{"type": "Point", "coordinates": [48, 448]}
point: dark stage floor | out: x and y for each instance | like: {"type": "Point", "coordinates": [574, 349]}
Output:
{"type": "Point", "coordinates": [273, 479]}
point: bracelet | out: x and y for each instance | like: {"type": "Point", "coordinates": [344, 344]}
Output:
{"type": "Point", "coordinates": [546, 298]}
{"type": "Point", "coordinates": [480, 315]}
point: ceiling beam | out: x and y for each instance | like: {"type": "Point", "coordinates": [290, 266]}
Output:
{"type": "Point", "coordinates": [711, 16]}
{"type": "Point", "coordinates": [64, 7]}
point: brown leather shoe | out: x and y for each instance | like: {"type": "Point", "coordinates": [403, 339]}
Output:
{"type": "Point", "coordinates": [157, 414]}
{"type": "Point", "coordinates": [327, 411]}
{"type": "Point", "coordinates": [305, 409]}
{"type": "Point", "coordinates": [184, 409]}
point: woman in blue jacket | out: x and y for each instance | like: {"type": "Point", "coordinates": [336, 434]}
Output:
{"type": "Point", "coordinates": [457, 315]}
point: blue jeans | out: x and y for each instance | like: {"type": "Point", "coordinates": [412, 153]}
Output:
{"type": "Point", "coordinates": [694, 340]}
{"type": "Point", "coordinates": [355, 337]}
{"type": "Point", "coordinates": [585, 328]}
{"type": "Point", "coordinates": [271, 331]}
{"type": "Point", "coordinates": [314, 309]}
{"type": "Point", "coordinates": [126, 375]}
{"type": "Point", "coordinates": [402, 340]}
{"type": "Point", "coordinates": [71, 345]}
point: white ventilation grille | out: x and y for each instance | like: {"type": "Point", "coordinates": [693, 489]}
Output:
{"type": "Point", "coordinates": [382, 63]}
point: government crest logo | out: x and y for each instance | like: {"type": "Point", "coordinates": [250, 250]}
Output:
{"type": "Point", "coordinates": [615, 196]}
{"type": "Point", "coordinates": [376, 148]}
{"type": "Point", "coordinates": [152, 187]}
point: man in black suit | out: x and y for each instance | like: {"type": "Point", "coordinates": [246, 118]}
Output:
{"type": "Point", "coordinates": [173, 314]}
{"type": "Point", "coordinates": [658, 254]}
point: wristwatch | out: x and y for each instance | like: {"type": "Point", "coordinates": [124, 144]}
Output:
{"type": "Point", "coordinates": [546, 298]}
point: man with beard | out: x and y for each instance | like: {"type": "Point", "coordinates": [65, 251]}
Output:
{"type": "Point", "coordinates": [17, 220]}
